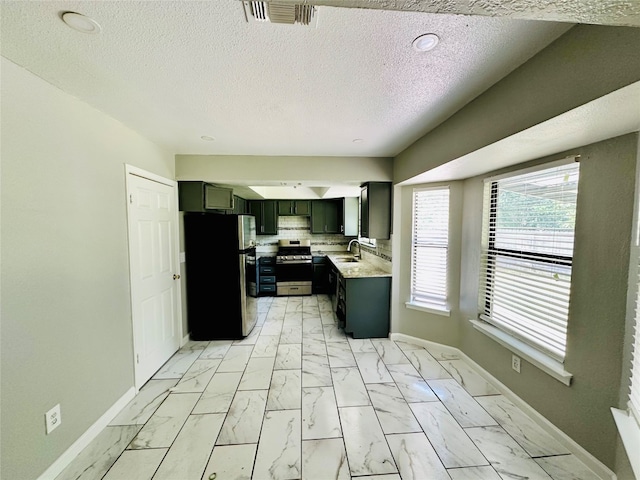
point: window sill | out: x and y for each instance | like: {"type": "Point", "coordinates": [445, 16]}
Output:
{"type": "Point", "coordinates": [545, 363]}
{"type": "Point", "coordinates": [429, 308]}
{"type": "Point", "coordinates": [367, 243]}
{"type": "Point", "coordinates": [630, 434]}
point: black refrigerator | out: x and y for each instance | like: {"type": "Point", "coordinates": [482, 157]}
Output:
{"type": "Point", "coordinates": [220, 257]}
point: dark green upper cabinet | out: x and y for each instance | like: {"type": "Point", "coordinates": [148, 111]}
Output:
{"type": "Point", "coordinates": [239, 205]}
{"type": "Point", "coordinates": [197, 196]}
{"type": "Point", "coordinates": [326, 216]}
{"type": "Point", "coordinates": [294, 207]}
{"type": "Point", "coordinates": [266, 214]}
{"type": "Point", "coordinates": [375, 210]}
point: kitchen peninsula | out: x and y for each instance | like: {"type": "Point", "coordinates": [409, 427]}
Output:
{"type": "Point", "coordinates": [361, 293]}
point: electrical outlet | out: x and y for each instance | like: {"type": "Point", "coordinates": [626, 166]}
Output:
{"type": "Point", "coordinates": [53, 419]}
{"type": "Point", "coordinates": [515, 363]}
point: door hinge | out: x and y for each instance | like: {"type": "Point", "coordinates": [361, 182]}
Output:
{"type": "Point", "coordinates": [130, 198]}
{"type": "Point", "coordinates": [137, 358]}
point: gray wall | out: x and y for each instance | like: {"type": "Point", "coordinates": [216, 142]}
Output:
{"type": "Point", "coordinates": [260, 169]}
{"type": "Point", "coordinates": [584, 64]}
{"type": "Point", "coordinates": [598, 303]}
{"type": "Point", "coordinates": [66, 320]}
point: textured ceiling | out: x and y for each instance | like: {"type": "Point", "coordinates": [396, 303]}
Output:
{"type": "Point", "coordinates": [177, 70]}
{"type": "Point", "coordinates": [600, 12]}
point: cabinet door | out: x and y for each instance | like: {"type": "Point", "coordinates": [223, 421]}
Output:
{"type": "Point", "coordinates": [239, 205]}
{"type": "Point", "coordinates": [317, 216]}
{"type": "Point", "coordinates": [269, 217]}
{"type": "Point", "coordinates": [191, 196]}
{"type": "Point", "coordinates": [217, 198]}
{"type": "Point", "coordinates": [320, 278]}
{"type": "Point", "coordinates": [364, 211]}
{"type": "Point", "coordinates": [302, 207]}
{"type": "Point", "coordinates": [332, 221]}
{"type": "Point", "coordinates": [379, 210]}
{"type": "Point", "coordinates": [285, 207]}
{"type": "Point", "coordinates": [326, 216]}
{"type": "Point", "coordinates": [255, 209]}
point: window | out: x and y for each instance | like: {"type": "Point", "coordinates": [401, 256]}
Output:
{"type": "Point", "coordinates": [527, 254]}
{"type": "Point", "coordinates": [430, 246]}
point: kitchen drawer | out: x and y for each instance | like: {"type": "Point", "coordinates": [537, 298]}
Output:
{"type": "Point", "coordinates": [267, 279]}
{"type": "Point", "coordinates": [319, 259]}
{"type": "Point", "coordinates": [268, 269]}
{"type": "Point", "coordinates": [268, 288]}
{"type": "Point", "coordinates": [267, 261]}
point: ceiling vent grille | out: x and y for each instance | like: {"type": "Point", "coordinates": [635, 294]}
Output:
{"type": "Point", "coordinates": [284, 13]}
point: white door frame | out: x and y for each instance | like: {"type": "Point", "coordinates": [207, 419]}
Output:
{"type": "Point", "coordinates": [138, 172]}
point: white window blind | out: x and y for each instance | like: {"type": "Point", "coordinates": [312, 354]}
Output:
{"type": "Point", "coordinates": [430, 246]}
{"type": "Point", "coordinates": [527, 254]}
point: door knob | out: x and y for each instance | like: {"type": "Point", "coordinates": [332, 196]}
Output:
{"type": "Point", "coordinates": [176, 277]}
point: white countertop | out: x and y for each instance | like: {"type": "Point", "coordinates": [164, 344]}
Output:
{"type": "Point", "coordinates": [359, 269]}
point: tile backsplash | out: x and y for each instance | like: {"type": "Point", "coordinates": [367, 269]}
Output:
{"type": "Point", "coordinates": [299, 228]}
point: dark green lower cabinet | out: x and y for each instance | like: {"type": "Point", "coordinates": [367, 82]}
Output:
{"type": "Point", "coordinates": [363, 307]}
{"type": "Point", "coordinates": [266, 276]}
{"type": "Point", "coordinates": [320, 282]}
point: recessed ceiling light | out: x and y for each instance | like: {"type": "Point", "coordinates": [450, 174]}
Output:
{"type": "Point", "coordinates": [80, 22]}
{"type": "Point", "coordinates": [208, 138]}
{"type": "Point", "coordinates": [426, 42]}
{"type": "Point", "coordinates": [357, 140]}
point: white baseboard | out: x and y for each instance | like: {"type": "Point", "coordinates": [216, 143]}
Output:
{"type": "Point", "coordinates": [87, 437]}
{"type": "Point", "coordinates": [585, 457]}
{"type": "Point", "coordinates": [401, 337]}
{"type": "Point", "coordinates": [184, 341]}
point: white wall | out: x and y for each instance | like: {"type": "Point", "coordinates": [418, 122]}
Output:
{"type": "Point", "coordinates": [66, 319]}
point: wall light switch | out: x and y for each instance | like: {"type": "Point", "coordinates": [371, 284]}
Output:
{"type": "Point", "coordinates": [53, 419]}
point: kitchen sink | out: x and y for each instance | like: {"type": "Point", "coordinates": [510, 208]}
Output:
{"type": "Point", "coordinates": [345, 259]}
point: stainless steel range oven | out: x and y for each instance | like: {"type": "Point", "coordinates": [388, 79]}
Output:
{"type": "Point", "coordinates": [294, 269]}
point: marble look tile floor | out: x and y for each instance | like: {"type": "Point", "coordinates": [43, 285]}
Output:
{"type": "Point", "coordinates": [298, 399]}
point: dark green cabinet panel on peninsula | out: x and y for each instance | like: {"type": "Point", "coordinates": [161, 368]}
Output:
{"type": "Point", "coordinates": [266, 214]}
{"type": "Point", "coordinates": [363, 306]}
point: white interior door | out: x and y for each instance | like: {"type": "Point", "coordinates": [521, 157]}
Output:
{"type": "Point", "coordinates": [154, 269]}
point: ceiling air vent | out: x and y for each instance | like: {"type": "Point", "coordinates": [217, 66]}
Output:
{"type": "Point", "coordinates": [285, 13]}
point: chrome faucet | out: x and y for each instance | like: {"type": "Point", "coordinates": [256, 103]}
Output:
{"type": "Point", "coordinates": [359, 255]}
